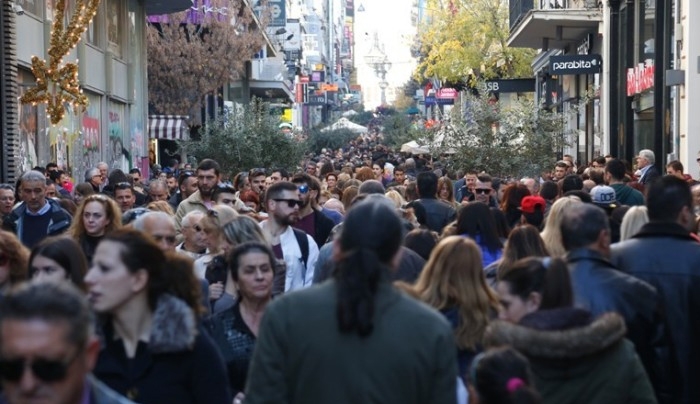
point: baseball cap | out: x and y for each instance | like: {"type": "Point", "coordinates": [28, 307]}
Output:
{"type": "Point", "coordinates": [530, 204]}
{"type": "Point", "coordinates": [603, 195]}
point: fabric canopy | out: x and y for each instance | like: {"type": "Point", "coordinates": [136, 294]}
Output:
{"type": "Point", "coordinates": [170, 127]}
{"type": "Point", "coordinates": [344, 123]}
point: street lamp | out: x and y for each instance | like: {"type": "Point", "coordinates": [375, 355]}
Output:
{"type": "Point", "coordinates": [379, 62]}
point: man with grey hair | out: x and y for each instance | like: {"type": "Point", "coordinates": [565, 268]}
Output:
{"type": "Point", "coordinates": [195, 241]}
{"type": "Point", "coordinates": [104, 172]}
{"type": "Point", "coordinates": [94, 178]}
{"type": "Point", "coordinates": [532, 185]}
{"type": "Point", "coordinates": [49, 347]}
{"type": "Point", "coordinates": [160, 226]}
{"type": "Point", "coordinates": [36, 217]}
{"type": "Point", "coordinates": [646, 170]}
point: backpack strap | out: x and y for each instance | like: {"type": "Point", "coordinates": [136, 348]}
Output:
{"type": "Point", "coordinates": [303, 242]}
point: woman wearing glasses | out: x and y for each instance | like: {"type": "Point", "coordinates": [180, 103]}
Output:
{"type": "Point", "coordinates": [95, 217]}
{"type": "Point", "coordinates": [153, 350]}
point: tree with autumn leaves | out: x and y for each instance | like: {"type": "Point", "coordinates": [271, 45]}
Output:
{"type": "Point", "coordinates": [467, 40]}
{"type": "Point", "coordinates": [194, 53]}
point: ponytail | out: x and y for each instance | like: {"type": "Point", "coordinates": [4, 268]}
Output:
{"type": "Point", "coordinates": [358, 275]}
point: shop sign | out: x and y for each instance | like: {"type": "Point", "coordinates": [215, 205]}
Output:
{"type": "Point", "coordinates": [510, 86]}
{"type": "Point", "coordinates": [640, 78]}
{"type": "Point", "coordinates": [446, 93]}
{"type": "Point", "coordinates": [432, 100]}
{"type": "Point", "coordinates": [575, 64]}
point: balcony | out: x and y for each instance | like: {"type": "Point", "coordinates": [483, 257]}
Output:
{"type": "Point", "coordinates": [552, 24]}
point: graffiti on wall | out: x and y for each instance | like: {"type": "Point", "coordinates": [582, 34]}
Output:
{"type": "Point", "coordinates": [117, 154]}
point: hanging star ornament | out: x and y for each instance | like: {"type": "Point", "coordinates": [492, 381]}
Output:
{"type": "Point", "coordinates": [57, 83]}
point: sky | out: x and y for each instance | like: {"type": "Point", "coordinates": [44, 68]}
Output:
{"type": "Point", "coordinates": [391, 20]}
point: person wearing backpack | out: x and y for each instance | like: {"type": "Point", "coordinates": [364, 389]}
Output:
{"type": "Point", "coordinates": [297, 249]}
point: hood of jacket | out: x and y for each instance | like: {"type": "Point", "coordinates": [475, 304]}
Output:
{"type": "Point", "coordinates": [174, 326]}
{"type": "Point", "coordinates": [558, 334]}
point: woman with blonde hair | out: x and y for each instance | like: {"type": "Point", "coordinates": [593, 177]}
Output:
{"type": "Point", "coordinates": [14, 259]}
{"type": "Point", "coordinates": [161, 206]}
{"type": "Point", "coordinates": [96, 216]}
{"type": "Point", "coordinates": [551, 235]}
{"type": "Point", "coordinates": [632, 222]}
{"type": "Point", "coordinates": [453, 282]}
{"type": "Point", "coordinates": [396, 197]}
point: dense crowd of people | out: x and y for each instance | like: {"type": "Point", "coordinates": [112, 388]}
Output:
{"type": "Point", "coordinates": [363, 275]}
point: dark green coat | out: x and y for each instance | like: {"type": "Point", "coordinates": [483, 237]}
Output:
{"type": "Point", "coordinates": [301, 356]}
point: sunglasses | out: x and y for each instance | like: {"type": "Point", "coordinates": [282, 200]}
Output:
{"type": "Point", "coordinates": [44, 369]}
{"type": "Point", "coordinates": [123, 185]}
{"type": "Point", "coordinates": [303, 189]}
{"type": "Point", "coordinates": [291, 203]}
{"type": "Point", "coordinates": [482, 191]}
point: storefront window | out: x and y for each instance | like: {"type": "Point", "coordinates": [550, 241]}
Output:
{"type": "Point", "coordinates": [94, 34]}
{"type": "Point", "coordinates": [28, 126]}
{"type": "Point", "coordinates": [32, 7]}
{"type": "Point", "coordinates": [115, 22]}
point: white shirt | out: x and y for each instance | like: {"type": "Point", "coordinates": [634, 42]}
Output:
{"type": "Point", "coordinates": [299, 274]}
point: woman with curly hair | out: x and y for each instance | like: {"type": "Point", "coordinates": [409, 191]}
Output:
{"type": "Point", "coordinates": [14, 258]}
{"type": "Point", "coordinates": [365, 174]}
{"type": "Point", "coordinates": [96, 216]}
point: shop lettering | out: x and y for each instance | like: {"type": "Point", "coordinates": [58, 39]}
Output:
{"type": "Point", "coordinates": [575, 64]}
{"type": "Point", "coordinates": [640, 78]}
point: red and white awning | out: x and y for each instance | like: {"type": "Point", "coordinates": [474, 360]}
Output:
{"type": "Point", "coordinates": [170, 127]}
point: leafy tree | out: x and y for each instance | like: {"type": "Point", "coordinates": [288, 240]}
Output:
{"type": "Point", "coordinates": [245, 138]}
{"type": "Point", "coordinates": [399, 129]}
{"type": "Point", "coordinates": [363, 118]}
{"type": "Point", "coordinates": [468, 39]}
{"type": "Point", "coordinates": [333, 139]}
{"type": "Point", "coordinates": [192, 54]}
{"type": "Point", "coordinates": [522, 139]}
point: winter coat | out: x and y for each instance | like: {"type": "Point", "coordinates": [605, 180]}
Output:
{"type": "Point", "coordinates": [179, 365]}
{"type": "Point", "coordinates": [59, 223]}
{"type": "Point", "coordinates": [577, 360]}
{"type": "Point", "coordinates": [438, 213]}
{"type": "Point", "coordinates": [626, 195]}
{"type": "Point", "coordinates": [668, 258]}
{"type": "Point", "coordinates": [302, 357]}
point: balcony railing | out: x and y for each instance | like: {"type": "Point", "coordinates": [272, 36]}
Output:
{"type": "Point", "coordinates": [519, 8]}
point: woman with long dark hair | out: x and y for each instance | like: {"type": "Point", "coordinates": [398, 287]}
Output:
{"type": "Point", "coordinates": [510, 205]}
{"type": "Point", "coordinates": [58, 259]}
{"type": "Point", "coordinates": [354, 320]}
{"type": "Point", "coordinates": [524, 241]}
{"type": "Point", "coordinates": [502, 376]}
{"type": "Point", "coordinates": [476, 222]}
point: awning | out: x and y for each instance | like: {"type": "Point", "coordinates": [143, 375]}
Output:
{"type": "Point", "coordinates": [170, 127]}
{"type": "Point", "coordinates": [555, 28]}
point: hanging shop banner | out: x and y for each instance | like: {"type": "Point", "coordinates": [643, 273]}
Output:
{"type": "Point", "coordinates": [575, 64]}
{"type": "Point", "coordinates": [640, 78]}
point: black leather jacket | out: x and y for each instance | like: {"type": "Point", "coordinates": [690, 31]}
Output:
{"type": "Point", "coordinates": [438, 213]}
{"type": "Point", "coordinates": [600, 288]}
{"type": "Point", "coordinates": [664, 255]}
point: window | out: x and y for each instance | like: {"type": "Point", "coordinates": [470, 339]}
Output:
{"type": "Point", "coordinates": [115, 22]}
{"type": "Point", "coordinates": [33, 7]}
{"type": "Point", "coordinates": [93, 34]}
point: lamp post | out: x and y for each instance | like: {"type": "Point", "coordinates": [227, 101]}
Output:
{"type": "Point", "coordinates": [379, 62]}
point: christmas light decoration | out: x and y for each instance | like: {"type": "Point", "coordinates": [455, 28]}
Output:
{"type": "Point", "coordinates": [57, 83]}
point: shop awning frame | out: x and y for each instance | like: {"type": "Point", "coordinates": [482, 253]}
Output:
{"type": "Point", "coordinates": [168, 127]}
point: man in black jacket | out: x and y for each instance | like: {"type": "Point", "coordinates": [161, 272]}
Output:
{"type": "Point", "coordinates": [599, 288]}
{"type": "Point", "coordinates": [36, 217]}
{"type": "Point", "coordinates": [438, 213]}
{"type": "Point", "coordinates": [664, 254]}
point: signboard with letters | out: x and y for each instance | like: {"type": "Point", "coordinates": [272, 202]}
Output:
{"type": "Point", "coordinates": [510, 86]}
{"type": "Point", "coordinates": [640, 78]}
{"type": "Point", "coordinates": [575, 64]}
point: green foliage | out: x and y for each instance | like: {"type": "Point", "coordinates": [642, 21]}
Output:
{"type": "Point", "coordinates": [332, 139]}
{"type": "Point", "coordinates": [363, 118]}
{"type": "Point", "coordinates": [399, 129]}
{"type": "Point", "coordinates": [246, 138]}
{"type": "Point", "coordinates": [519, 140]}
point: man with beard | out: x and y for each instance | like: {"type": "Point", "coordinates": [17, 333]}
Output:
{"type": "Point", "coordinates": [298, 250]}
{"type": "Point", "coordinates": [312, 221]}
{"type": "Point", "coordinates": [208, 177]}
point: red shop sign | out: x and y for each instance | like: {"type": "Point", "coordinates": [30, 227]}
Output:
{"type": "Point", "coordinates": [640, 78]}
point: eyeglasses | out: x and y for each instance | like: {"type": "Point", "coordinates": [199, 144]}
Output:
{"type": "Point", "coordinates": [186, 174]}
{"type": "Point", "coordinates": [291, 203]}
{"type": "Point", "coordinates": [169, 239]}
{"type": "Point", "coordinates": [303, 189]}
{"type": "Point", "coordinates": [226, 188]}
{"type": "Point", "coordinates": [482, 191]}
{"type": "Point", "coordinates": [44, 369]}
{"type": "Point", "coordinates": [123, 185]}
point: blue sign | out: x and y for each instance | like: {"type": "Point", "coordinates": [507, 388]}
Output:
{"type": "Point", "coordinates": [277, 10]}
{"type": "Point", "coordinates": [432, 100]}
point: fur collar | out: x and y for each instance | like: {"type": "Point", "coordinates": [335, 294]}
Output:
{"type": "Point", "coordinates": [568, 343]}
{"type": "Point", "coordinates": [174, 327]}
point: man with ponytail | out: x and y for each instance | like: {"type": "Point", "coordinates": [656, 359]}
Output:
{"type": "Point", "coordinates": [355, 338]}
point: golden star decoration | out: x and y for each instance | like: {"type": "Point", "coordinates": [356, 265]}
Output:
{"type": "Point", "coordinates": [57, 83]}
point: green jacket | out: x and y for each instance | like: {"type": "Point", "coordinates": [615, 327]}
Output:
{"type": "Point", "coordinates": [301, 356]}
{"type": "Point", "coordinates": [626, 195]}
{"type": "Point", "coordinates": [581, 364]}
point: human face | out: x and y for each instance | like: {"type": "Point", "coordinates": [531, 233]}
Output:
{"type": "Point", "coordinates": [103, 171]}
{"type": "Point", "coordinates": [47, 270]}
{"type": "Point", "coordinates": [172, 184]}
{"type": "Point", "coordinates": [399, 176]}
{"type": "Point", "coordinates": [50, 191]}
{"type": "Point", "coordinates": [331, 181]}
{"type": "Point", "coordinates": [7, 201]}
{"type": "Point", "coordinates": [642, 162]}
{"type": "Point", "coordinates": [96, 179]}
{"type": "Point", "coordinates": [125, 198]}
{"type": "Point", "coordinates": [95, 219]}
{"type": "Point", "coordinates": [189, 187]}
{"type": "Point", "coordinates": [311, 169]}
{"type": "Point", "coordinates": [444, 193]}
{"type": "Point", "coordinates": [258, 184]}
{"type": "Point", "coordinates": [36, 340]}
{"type": "Point", "coordinates": [163, 232]}
{"type": "Point", "coordinates": [306, 195]}
{"type": "Point", "coordinates": [136, 177]}
{"type": "Point", "coordinates": [194, 234]}
{"type": "Point", "coordinates": [377, 171]}
{"type": "Point", "coordinates": [158, 193]}
{"type": "Point", "coordinates": [280, 210]}
{"type": "Point", "coordinates": [109, 282]}
{"type": "Point", "coordinates": [559, 172]}
{"type": "Point", "coordinates": [255, 276]}
{"type": "Point", "coordinates": [64, 178]}
{"type": "Point", "coordinates": [470, 180]}
{"type": "Point", "coordinates": [276, 177]}
{"type": "Point", "coordinates": [513, 307]}
{"type": "Point", "coordinates": [671, 171]}
{"type": "Point", "coordinates": [206, 181]}
{"type": "Point", "coordinates": [33, 194]}
{"type": "Point", "coordinates": [482, 192]}
{"type": "Point", "coordinates": [226, 198]}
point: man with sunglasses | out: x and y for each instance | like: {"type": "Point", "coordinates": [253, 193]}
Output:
{"type": "Point", "coordinates": [37, 216]}
{"type": "Point", "coordinates": [48, 347]}
{"type": "Point", "coordinates": [483, 190]}
{"type": "Point", "coordinates": [311, 219]}
{"type": "Point", "coordinates": [298, 250]}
